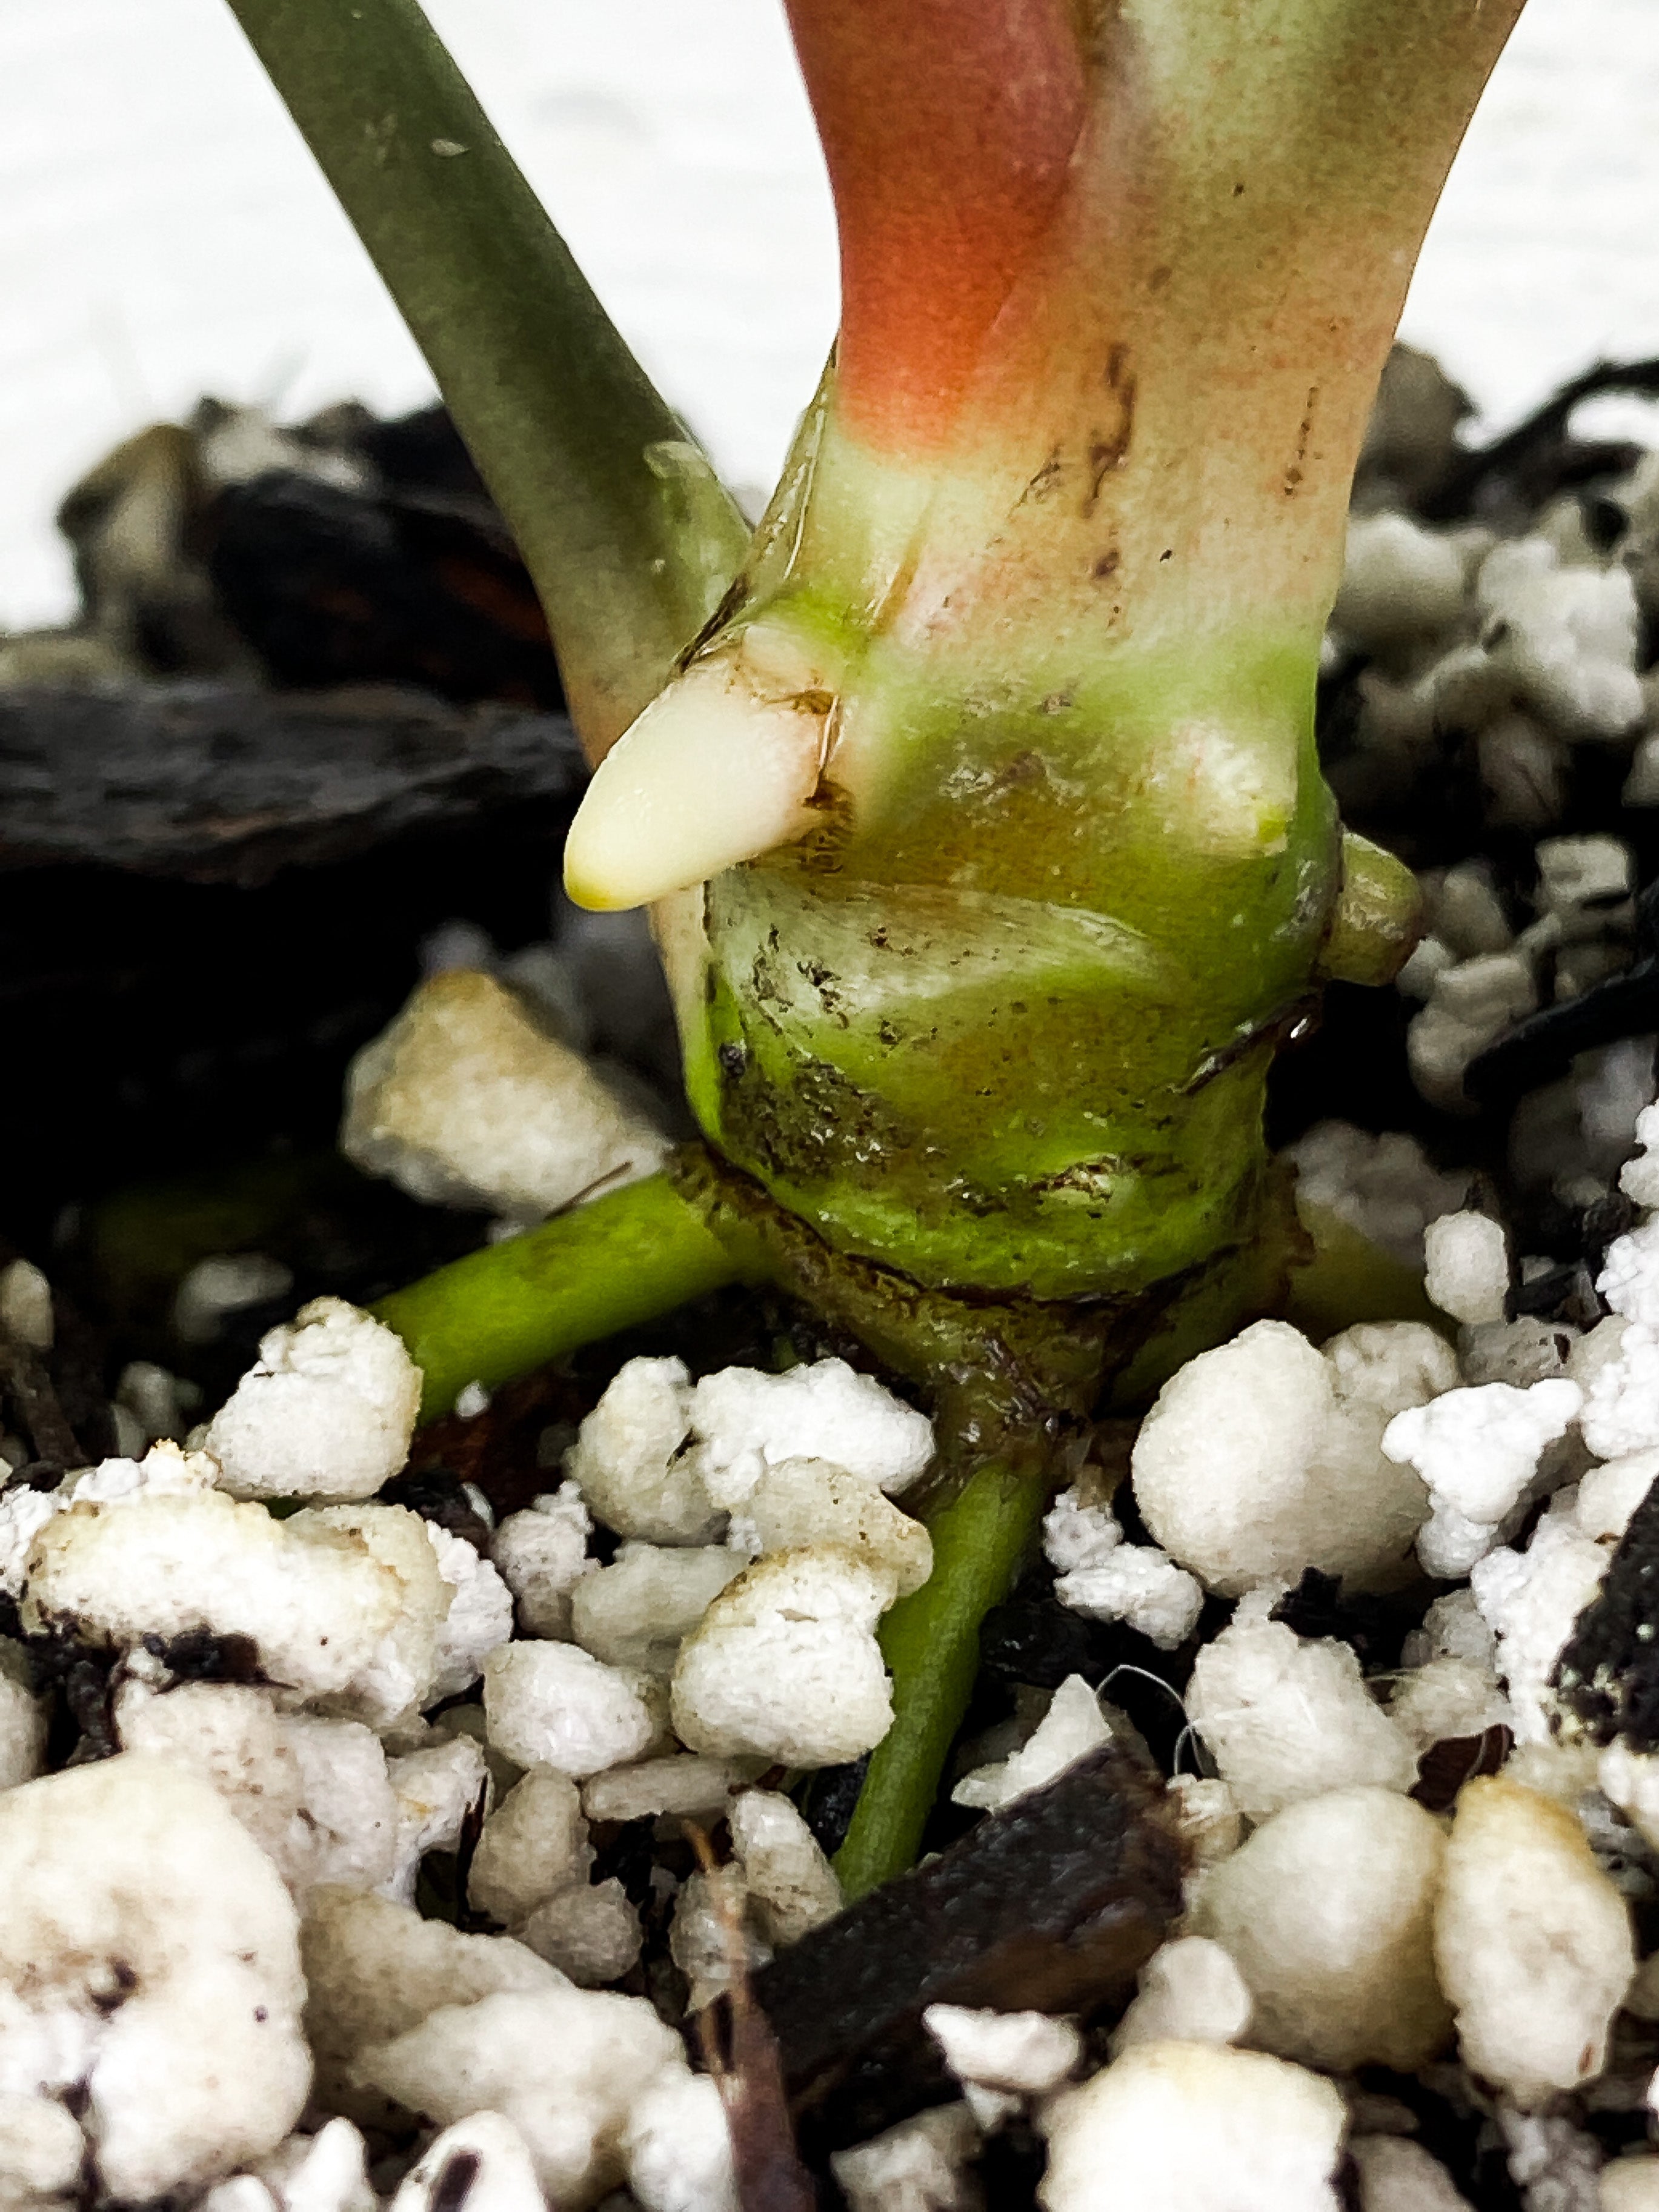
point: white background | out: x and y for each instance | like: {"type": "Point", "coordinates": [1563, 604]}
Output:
{"type": "Point", "coordinates": [162, 231]}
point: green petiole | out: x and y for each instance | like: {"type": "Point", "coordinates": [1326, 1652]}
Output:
{"type": "Point", "coordinates": [613, 1264]}
{"type": "Point", "coordinates": [931, 1643]}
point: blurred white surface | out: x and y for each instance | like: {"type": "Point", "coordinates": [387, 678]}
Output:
{"type": "Point", "coordinates": [163, 233]}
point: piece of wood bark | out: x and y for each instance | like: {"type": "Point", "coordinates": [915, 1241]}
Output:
{"type": "Point", "coordinates": [209, 783]}
{"type": "Point", "coordinates": [1053, 1904]}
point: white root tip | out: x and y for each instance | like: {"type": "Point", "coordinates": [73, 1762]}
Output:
{"type": "Point", "coordinates": [717, 771]}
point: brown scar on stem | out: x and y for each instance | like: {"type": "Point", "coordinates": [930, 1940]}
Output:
{"type": "Point", "coordinates": [1108, 564]}
{"type": "Point", "coordinates": [1109, 448]}
{"type": "Point", "coordinates": [1293, 475]}
{"type": "Point", "coordinates": [1045, 479]}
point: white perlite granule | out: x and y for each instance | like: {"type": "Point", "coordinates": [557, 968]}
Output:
{"type": "Point", "coordinates": [1383, 1189]}
{"type": "Point", "coordinates": [327, 1413]}
{"type": "Point", "coordinates": [534, 1843]}
{"type": "Point", "coordinates": [1400, 583]}
{"type": "Point", "coordinates": [1328, 1913]}
{"type": "Point", "coordinates": [482, 2160]}
{"type": "Point", "coordinates": [26, 1305]}
{"type": "Point", "coordinates": [1621, 1397]}
{"type": "Point", "coordinates": [588, 1931]}
{"type": "Point", "coordinates": [1629, 2185]}
{"type": "Point", "coordinates": [1477, 1450]}
{"type": "Point", "coordinates": [323, 2172]}
{"type": "Point", "coordinates": [480, 1614]}
{"type": "Point", "coordinates": [374, 1969]}
{"type": "Point", "coordinates": [551, 1705]}
{"type": "Point", "coordinates": [1629, 1280]}
{"type": "Point", "coordinates": [638, 1611]}
{"type": "Point", "coordinates": [1531, 1942]}
{"type": "Point", "coordinates": [1264, 1457]}
{"type": "Point", "coordinates": [785, 1661]}
{"type": "Point", "coordinates": [919, 2166]}
{"type": "Point", "coordinates": [1195, 2125]}
{"type": "Point", "coordinates": [468, 1100]}
{"type": "Point", "coordinates": [1564, 636]}
{"type": "Point", "coordinates": [682, 1782]}
{"type": "Point", "coordinates": [148, 1954]}
{"type": "Point", "coordinates": [628, 1463]}
{"type": "Point", "coordinates": [1469, 1267]}
{"type": "Point", "coordinates": [790, 1884]}
{"type": "Point", "coordinates": [1072, 1725]}
{"type": "Point", "coordinates": [42, 2151]}
{"type": "Point", "coordinates": [746, 1421]}
{"type": "Point", "coordinates": [345, 1601]}
{"type": "Point", "coordinates": [314, 1794]}
{"type": "Point", "coordinates": [1024, 2053]}
{"type": "Point", "coordinates": [1446, 1699]}
{"type": "Point", "coordinates": [1190, 1991]}
{"type": "Point", "coordinates": [1286, 1718]}
{"type": "Point", "coordinates": [1397, 2175]}
{"type": "Point", "coordinates": [1103, 1578]}
{"type": "Point", "coordinates": [660, 1458]}
{"type": "Point", "coordinates": [1639, 1178]}
{"type": "Point", "coordinates": [435, 1787]}
{"type": "Point", "coordinates": [564, 2065]}
{"type": "Point", "coordinates": [541, 1554]}
{"type": "Point", "coordinates": [1529, 1600]}
{"type": "Point", "coordinates": [677, 2148]}
{"type": "Point", "coordinates": [22, 1718]}
{"type": "Point", "coordinates": [808, 1501]}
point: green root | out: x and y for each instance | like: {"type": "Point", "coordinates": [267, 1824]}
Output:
{"type": "Point", "coordinates": [931, 1643]}
{"type": "Point", "coordinates": [611, 1265]}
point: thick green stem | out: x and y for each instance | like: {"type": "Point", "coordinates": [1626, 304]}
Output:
{"type": "Point", "coordinates": [628, 533]}
{"type": "Point", "coordinates": [931, 1643]}
{"type": "Point", "coordinates": [611, 1265]}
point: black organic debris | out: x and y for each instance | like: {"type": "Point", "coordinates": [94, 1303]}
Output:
{"type": "Point", "coordinates": [225, 784]}
{"type": "Point", "coordinates": [1053, 1904]}
{"type": "Point", "coordinates": [1608, 1674]}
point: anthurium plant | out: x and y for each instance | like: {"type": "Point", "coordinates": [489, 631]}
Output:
{"type": "Point", "coordinates": [975, 790]}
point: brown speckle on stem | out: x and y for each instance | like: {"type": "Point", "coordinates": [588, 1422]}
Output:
{"type": "Point", "coordinates": [1294, 473]}
{"type": "Point", "coordinates": [1109, 445]}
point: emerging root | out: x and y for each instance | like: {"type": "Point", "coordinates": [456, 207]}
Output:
{"type": "Point", "coordinates": [720, 768]}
